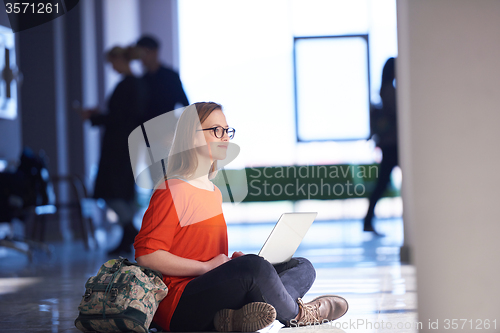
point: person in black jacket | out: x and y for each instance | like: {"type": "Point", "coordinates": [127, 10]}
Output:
{"type": "Point", "coordinates": [385, 130]}
{"type": "Point", "coordinates": [164, 85]}
{"type": "Point", "coordinates": [115, 181]}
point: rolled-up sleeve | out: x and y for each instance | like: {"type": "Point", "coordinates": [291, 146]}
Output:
{"type": "Point", "coordinates": [159, 224]}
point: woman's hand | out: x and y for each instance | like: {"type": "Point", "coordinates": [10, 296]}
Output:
{"type": "Point", "coordinates": [237, 254]}
{"type": "Point", "coordinates": [216, 261]}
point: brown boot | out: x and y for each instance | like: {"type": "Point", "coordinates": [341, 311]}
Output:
{"type": "Point", "coordinates": [320, 310]}
{"type": "Point", "coordinates": [250, 318]}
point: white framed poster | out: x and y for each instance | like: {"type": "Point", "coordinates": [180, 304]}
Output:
{"type": "Point", "coordinates": [9, 75]}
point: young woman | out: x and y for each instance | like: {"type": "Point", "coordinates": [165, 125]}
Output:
{"type": "Point", "coordinates": [184, 236]}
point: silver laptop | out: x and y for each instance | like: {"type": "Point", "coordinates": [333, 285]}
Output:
{"type": "Point", "coordinates": [286, 236]}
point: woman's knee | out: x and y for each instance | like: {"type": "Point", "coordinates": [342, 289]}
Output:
{"type": "Point", "coordinates": [304, 262]}
{"type": "Point", "coordinates": [307, 267]}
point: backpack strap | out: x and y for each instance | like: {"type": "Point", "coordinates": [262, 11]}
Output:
{"type": "Point", "coordinates": [121, 325]}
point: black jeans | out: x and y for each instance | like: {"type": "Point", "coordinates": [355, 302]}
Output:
{"type": "Point", "coordinates": [240, 281]}
{"type": "Point", "coordinates": [389, 161]}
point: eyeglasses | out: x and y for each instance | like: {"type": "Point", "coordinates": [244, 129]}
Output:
{"type": "Point", "coordinates": [219, 131]}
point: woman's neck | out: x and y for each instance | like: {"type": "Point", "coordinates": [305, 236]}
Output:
{"type": "Point", "coordinates": [200, 175]}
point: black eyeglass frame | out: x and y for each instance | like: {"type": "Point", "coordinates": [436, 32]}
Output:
{"type": "Point", "coordinates": [224, 130]}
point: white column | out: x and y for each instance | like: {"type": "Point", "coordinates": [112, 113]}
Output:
{"type": "Point", "coordinates": [404, 130]}
{"type": "Point", "coordinates": [448, 80]}
{"type": "Point", "coordinates": [90, 86]}
{"type": "Point", "coordinates": [121, 27]}
{"type": "Point", "coordinates": [61, 122]}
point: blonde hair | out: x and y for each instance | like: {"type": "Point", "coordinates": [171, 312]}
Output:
{"type": "Point", "coordinates": [127, 53]}
{"type": "Point", "coordinates": [183, 160]}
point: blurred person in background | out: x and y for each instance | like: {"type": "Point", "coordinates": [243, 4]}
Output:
{"type": "Point", "coordinates": [384, 129]}
{"type": "Point", "coordinates": [164, 85]}
{"type": "Point", "coordinates": [164, 92]}
{"type": "Point", "coordinates": [126, 107]}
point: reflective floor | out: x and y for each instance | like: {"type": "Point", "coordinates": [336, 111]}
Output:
{"type": "Point", "coordinates": [43, 296]}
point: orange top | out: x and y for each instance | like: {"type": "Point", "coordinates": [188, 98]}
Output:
{"type": "Point", "coordinates": [188, 222]}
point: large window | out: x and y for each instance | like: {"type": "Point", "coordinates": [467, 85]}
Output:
{"type": "Point", "coordinates": [241, 54]}
{"type": "Point", "coordinates": [8, 87]}
{"type": "Point", "coordinates": [332, 88]}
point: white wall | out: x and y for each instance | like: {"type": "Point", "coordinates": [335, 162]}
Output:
{"type": "Point", "coordinates": [448, 79]}
{"type": "Point", "coordinates": [159, 18]}
{"type": "Point", "coordinates": [121, 28]}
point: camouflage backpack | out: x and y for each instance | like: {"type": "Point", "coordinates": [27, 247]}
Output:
{"type": "Point", "coordinates": [122, 297]}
